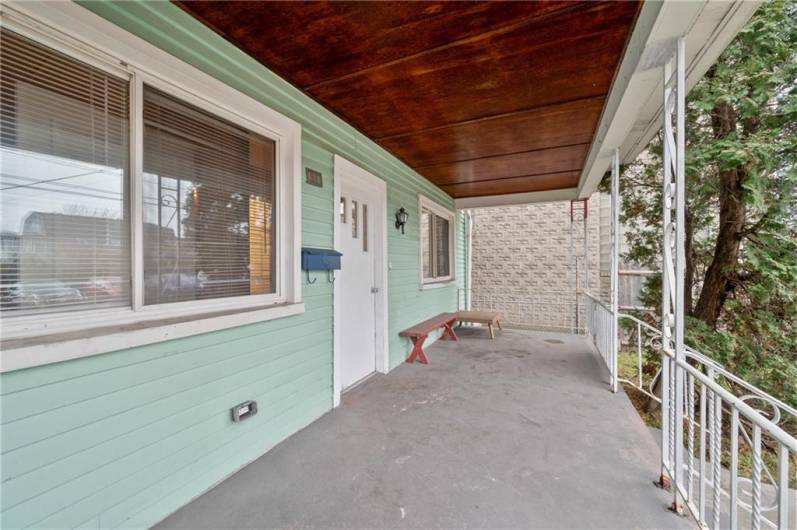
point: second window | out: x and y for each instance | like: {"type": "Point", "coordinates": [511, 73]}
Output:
{"type": "Point", "coordinates": [436, 243]}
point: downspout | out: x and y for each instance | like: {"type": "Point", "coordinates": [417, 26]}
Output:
{"type": "Point", "coordinates": [469, 260]}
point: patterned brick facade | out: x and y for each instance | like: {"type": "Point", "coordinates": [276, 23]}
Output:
{"type": "Point", "coordinates": [525, 265]}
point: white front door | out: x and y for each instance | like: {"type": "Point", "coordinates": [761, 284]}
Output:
{"type": "Point", "coordinates": [356, 209]}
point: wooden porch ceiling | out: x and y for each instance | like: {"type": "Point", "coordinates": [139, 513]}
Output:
{"type": "Point", "coordinates": [482, 98]}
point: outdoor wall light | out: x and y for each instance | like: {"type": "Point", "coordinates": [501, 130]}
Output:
{"type": "Point", "coordinates": [401, 219]}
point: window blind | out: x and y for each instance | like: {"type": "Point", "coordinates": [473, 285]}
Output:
{"type": "Point", "coordinates": [63, 186]}
{"type": "Point", "coordinates": [427, 243]}
{"type": "Point", "coordinates": [209, 216]}
{"type": "Point", "coordinates": [442, 246]}
{"type": "Point", "coordinates": [435, 245]}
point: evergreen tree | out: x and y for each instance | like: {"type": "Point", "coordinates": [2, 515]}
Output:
{"type": "Point", "coordinates": [741, 211]}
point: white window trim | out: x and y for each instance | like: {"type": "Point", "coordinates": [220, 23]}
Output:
{"type": "Point", "coordinates": [107, 46]}
{"type": "Point", "coordinates": [442, 281]}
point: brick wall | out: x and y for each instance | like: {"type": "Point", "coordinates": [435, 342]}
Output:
{"type": "Point", "coordinates": [524, 264]}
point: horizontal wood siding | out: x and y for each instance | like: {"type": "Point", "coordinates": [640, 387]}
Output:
{"type": "Point", "coordinates": [408, 304]}
{"type": "Point", "coordinates": [125, 438]}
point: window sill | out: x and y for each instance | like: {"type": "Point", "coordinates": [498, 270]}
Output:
{"type": "Point", "coordinates": [34, 351]}
{"type": "Point", "coordinates": [437, 285]}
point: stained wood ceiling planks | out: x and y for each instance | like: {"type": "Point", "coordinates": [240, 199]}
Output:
{"type": "Point", "coordinates": [482, 98]}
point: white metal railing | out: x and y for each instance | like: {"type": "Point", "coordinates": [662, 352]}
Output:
{"type": "Point", "coordinates": [748, 423]}
{"type": "Point", "coordinates": [725, 454]}
{"type": "Point", "coordinates": [600, 329]}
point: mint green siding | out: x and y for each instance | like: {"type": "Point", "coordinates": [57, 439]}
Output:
{"type": "Point", "coordinates": [125, 438]}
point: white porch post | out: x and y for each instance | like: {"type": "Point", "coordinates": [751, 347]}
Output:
{"type": "Point", "coordinates": [615, 341]}
{"type": "Point", "coordinates": [464, 285]}
{"type": "Point", "coordinates": [673, 265]}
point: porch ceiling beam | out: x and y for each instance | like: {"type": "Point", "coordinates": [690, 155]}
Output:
{"type": "Point", "coordinates": [487, 201]}
{"type": "Point", "coordinates": [521, 184]}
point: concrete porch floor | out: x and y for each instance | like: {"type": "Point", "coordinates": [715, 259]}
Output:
{"type": "Point", "coordinates": [520, 432]}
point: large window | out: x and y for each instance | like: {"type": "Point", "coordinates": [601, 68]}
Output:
{"type": "Point", "coordinates": [125, 194]}
{"type": "Point", "coordinates": [208, 205]}
{"type": "Point", "coordinates": [437, 242]}
{"type": "Point", "coordinates": [64, 146]}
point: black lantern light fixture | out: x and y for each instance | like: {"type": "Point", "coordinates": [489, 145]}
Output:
{"type": "Point", "coordinates": [401, 219]}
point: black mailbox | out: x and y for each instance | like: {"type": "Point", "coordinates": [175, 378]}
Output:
{"type": "Point", "coordinates": [320, 259]}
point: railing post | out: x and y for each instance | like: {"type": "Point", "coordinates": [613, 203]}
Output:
{"type": "Point", "coordinates": [783, 486]}
{"type": "Point", "coordinates": [664, 480]}
{"type": "Point", "coordinates": [615, 340]}
{"type": "Point", "coordinates": [734, 481]}
{"type": "Point", "coordinates": [680, 259]}
{"type": "Point", "coordinates": [639, 352]}
{"type": "Point", "coordinates": [673, 265]}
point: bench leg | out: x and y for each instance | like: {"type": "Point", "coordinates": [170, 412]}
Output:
{"type": "Point", "coordinates": [492, 331]}
{"type": "Point", "coordinates": [499, 324]}
{"type": "Point", "coordinates": [448, 332]}
{"type": "Point", "coordinates": [417, 350]}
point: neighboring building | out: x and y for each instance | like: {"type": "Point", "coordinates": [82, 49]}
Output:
{"type": "Point", "coordinates": [529, 262]}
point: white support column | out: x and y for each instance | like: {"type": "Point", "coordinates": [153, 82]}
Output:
{"type": "Point", "coordinates": [615, 266]}
{"type": "Point", "coordinates": [585, 286]}
{"type": "Point", "coordinates": [469, 262]}
{"type": "Point", "coordinates": [680, 262]}
{"type": "Point", "coordinates": [665, 282]}
{"type": "Point", "coordinates": [673, 265]}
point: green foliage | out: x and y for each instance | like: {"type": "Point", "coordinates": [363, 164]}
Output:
{"type": "Point", "coordinates": [755, 82]}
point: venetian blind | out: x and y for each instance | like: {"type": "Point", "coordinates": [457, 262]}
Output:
{"type": "Point", "coordinates": [63, 185]}
{"type": "Point", "coordinates": [442, 246]}
{"type": "Point", "coordinates": [427, 243]}
{"type": "Point", "coordinates": [435, 245]}
{"type": "Point", "coordinates": [209, 209]}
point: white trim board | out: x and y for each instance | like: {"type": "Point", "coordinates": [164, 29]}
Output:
{"type": "Point", "coordinates": [107, 340]}
{"type": "Point", "coordinates": [516, 198]}
{"type": "Point", "coordinates": [345, 170]}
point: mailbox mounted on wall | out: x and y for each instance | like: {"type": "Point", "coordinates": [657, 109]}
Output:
{"type": "Point", "coordinates": [320, 259]}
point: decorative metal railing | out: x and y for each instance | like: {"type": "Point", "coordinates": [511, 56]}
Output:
{"type": "Point", "coordinates": [600, 329]}
{"type": "Point", "coordinates": [737, 449]}
{"type": "Point", "coordinates": [726, 420]}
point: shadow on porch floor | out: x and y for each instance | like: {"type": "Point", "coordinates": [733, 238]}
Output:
{"type": "Point", "coordinates": [518, 432]}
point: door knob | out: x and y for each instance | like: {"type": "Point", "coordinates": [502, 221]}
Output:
{"type": "Point", "coordinates": [374, 289]}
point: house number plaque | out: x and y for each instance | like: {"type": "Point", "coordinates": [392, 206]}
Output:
{"type": "Point", "coordinates": [314, 177]}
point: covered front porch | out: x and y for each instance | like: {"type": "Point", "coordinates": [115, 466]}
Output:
{"type": "Point", "coordinates": [515, 432]}
{"type": "Point", "coordinates": [118, 416]}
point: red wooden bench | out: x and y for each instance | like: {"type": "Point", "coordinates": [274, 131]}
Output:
{"type": "Point", "coordinates": [419, 332]}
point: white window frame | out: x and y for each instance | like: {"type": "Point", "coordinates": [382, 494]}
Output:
{"type": "Point", "coordinates": [114, 50]}
{"type": "Point", "coordinates": [435, 208]}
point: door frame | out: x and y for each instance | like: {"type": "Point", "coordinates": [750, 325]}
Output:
{"type": "Point", "coordinates": [353, 174]}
